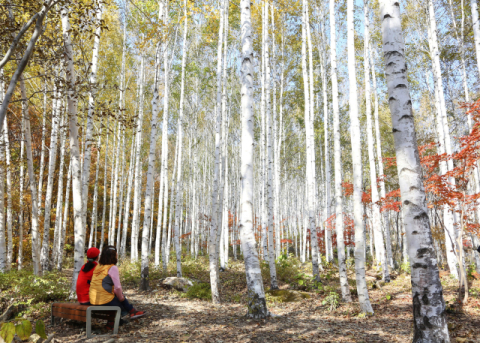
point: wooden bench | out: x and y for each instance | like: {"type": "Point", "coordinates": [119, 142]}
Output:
{"type": "Point", "coordinates": [85, 313]}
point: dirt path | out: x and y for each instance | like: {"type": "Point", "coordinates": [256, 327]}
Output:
{"type": "Point", "coordinates": [174, 319]}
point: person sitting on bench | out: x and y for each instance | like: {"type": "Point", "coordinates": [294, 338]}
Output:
{"type": "Point", "coordinates": [85, 276]}
{"type": "Point", "coordinates": [105, 287]}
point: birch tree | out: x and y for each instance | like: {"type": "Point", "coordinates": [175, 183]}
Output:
{"type": "Point", "coordinates": [79, 229]}
{"type": "Point", "coordinates": [430, 324]}
{"type": "Point", "coordinates": [256, 307]}
{"type": "Point", "coordinates": [338, 160]}
{"type": "Point", "coordinates": [213, 240]}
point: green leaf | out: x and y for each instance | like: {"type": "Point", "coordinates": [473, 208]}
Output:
{"type": "Point", "coordinates": [40, 329]}
{"type": "Point", "coordinates": [300, 282]}
{"type": "Point", "coordinates": [7, 332]}
{"type": "Point", "coordinates": [24, 329]}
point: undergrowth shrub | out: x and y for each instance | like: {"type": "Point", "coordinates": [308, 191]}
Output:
{"type": "Point", "coordinates": [331, 301]}
{"type": "Point", "coordinates": [130, 272]}
{"type": "Point", "coordinates": [199, 291]}
{"type": "Point", "coordinates": [24, 288]}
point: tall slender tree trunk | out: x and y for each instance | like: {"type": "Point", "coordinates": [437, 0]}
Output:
{"type": "Point", "coordinates": [4, 263]}
{"type": "Point", "coordinates": [443, 139]}
{"type": "Point", "coordinates": [377, 225]}
{"type": "Point", "coordinates": [311, 173]}
{"type": "Point", "coordinates": [32, 178]}
{"type": "Point", "coordinates": [131, 171]}
{"type": "Point", "coordinates": [58, 211]}
{"type": "Point", "coordinates": [87, 155]}
{"type": "Point", "coordinates": [256, 303]}
{"type": "Point", "coordinates": [93, 221]}
{"type": "Point", "coordinates": [270, 186]}
{"type": "Point", "coordinates": [42, 154]}
{"type": "Point", "coordinates": [44, 255]}
{"type": "Point", "coordinates": [79, 229]}
{"type": "Point", "coordinates": [476, 31]}
{"type": "Point", "coordinates": [430, 324]}
{"type": "Point", "coordinates": [104, 203]}
{"type": "Point", "coordinates": [63, 230]}
{"type": "Point", "coordinates": [21, 194]}
{"type": "Point", "coordinates": [179, 191]}
{"type": "Point", "coordinates": [338, 160]}
{"type": "Point", "coordinates": [138, 175]}
{"type": "Point", "coordinates": [213, 241]}
{"type": "Point", "coordinates": [8, 167]}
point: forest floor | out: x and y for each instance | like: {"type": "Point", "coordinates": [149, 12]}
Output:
{"type": "Point", "coordinates": [172, 317]}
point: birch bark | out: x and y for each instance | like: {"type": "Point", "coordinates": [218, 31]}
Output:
{"type": "Point", "coordinates": [257, 307]}
{"type": "Point", "coordinates": [149, 186]}
{"type": "Point", "coordinates": [42, 154]}
{"type": "Point", "coordinates": [93, 221]}
{"type": "Point", "coordinates": [476, 31]}
{"type": "Point", "coordinates": [270, 186]}
{"type": "Point", "coordinates": [44, 255]}
{"type": "Point", "coordinates": [138, 175]}
{"type": "Point", "coordinates": [310, 119]}
{"type": "Point", "coordinates": [430, 324]}
{"type": "Point", "coordinates": [58, 211]}
{"type": "Point", "coordinates": [104, 203]}
{"type": "Point", "coordinates": [377, 225]}
{"type": "Point", "coordinates": [179, 192]}
{"type": "Point", "coordinates": [32, 180]}
{"type": "Point", "coordinates": [338, 159]}
{"type": "Point", "coordinates": [8, 166]}
{"type": "Point", "coordinates": [91, 108]}
{"type": "Point", "coordinates": [123, 244]}
{"type": "Point", "coordinates": [4, 264]}
{"type": "Point", "coordinates": [61, 241]}
{"type": "Point", "coordinates": [79, 229]}
{"type": "Point", "coordinates": [213, 240]}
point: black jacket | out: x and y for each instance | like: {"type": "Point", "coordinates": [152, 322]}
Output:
{"type": "Point", "coordinates": [478, 249]}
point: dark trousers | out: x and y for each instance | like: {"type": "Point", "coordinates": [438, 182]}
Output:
{"type": "Point", "coordinates": [124, 305]}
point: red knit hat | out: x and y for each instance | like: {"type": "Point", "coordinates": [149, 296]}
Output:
{"type": "Point", "coordinates": [93, 253]}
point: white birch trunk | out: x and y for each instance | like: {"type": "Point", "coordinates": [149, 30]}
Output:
{"type": "Point", "coordinates": [443, 142]}
{"type": "Point", "coordinates": [58, 211]}
{"type": "Point", "coordinates": [430, 324]}
{"type": "Point", "coordinates": [311, 174]}
{"type": "Point", "coordinates": [338, 160]}
{"type": "Point", "coordinates": [137, 191]}
{"type": "Point", "coordinates": [32, 180]}
{"type": "Point", "coordinates": [42, 154]}
{"type": "Point", "coordinates": [476, 31]}
{"type": "Point", "coordinates": [377, 225]}
{"type": "Point", "coordinates": [22, 181]}
{"type": "Point", "coordinates": [123, 244]}
{"type": "Point", "coordinates": [91, 108]}
{"type": "Point", "coordinates": [8, 167]}
{"type": "Point", "coordinates": [149, 193]}
{"type": "Point", "coordinates": [63, 230]}
{"type": "Point", "coordinates": [44, 255]}
{"type": "Point", "coordinates": [257, 307]}
{"type": "Point", "coordinates": [179, 192]}
{"type": "Point", "coordinates": [213, 240]}
{"type": "Point", "coordinates": [104, 203]}
{"type": "Point", "coordinates": [93, 221]}
{"type": "Point", "coordinates": [79, 229]}
{"type": "Point", "coordinates": [323, 66]}
{"type": "Point", "coordinates": [270, 186]}
{"type": "Point", "coordinates": [4, 263]}
{"type": "Point", "coordinates": [163, 194]}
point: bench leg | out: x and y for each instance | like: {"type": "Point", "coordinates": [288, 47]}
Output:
{"type": "Point", "coordinates": [52, 319]}
{"type": "Point", "coordinates": [117, 321]}
{"type": "Point", "coordinates": [89, 322]}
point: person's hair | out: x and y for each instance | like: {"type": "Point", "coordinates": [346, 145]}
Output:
{"type": "Point", "coordinates": [108, 256]}
{"type": "Point", "coordinates": [89, 265]}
